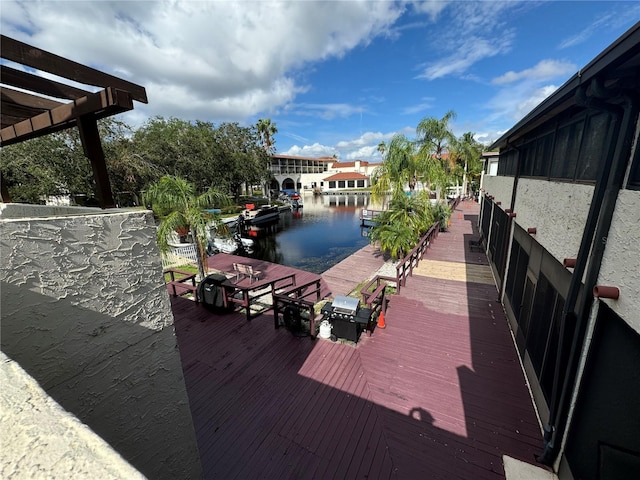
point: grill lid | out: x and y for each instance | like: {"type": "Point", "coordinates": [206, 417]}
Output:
{"type": "Point", "coordinates": [348, 305]}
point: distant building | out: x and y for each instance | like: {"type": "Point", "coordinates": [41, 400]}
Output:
{"type": "Point", "coordinates": [560, 219]}
{"type": "Point", "coordinates": [321, 174]}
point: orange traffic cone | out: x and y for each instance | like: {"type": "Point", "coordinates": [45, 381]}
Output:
{"type": "Point", "coordinates": [381, 320]}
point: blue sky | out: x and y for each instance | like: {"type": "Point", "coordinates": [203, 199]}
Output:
{"type": "Point", "coordinates": [335, 77]}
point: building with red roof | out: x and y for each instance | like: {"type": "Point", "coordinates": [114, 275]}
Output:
{"type": "Point", "coordinates": [318, 175]}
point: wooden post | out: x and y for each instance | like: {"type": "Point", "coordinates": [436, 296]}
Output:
{"type": "Point", "coordinates": [90, 137]}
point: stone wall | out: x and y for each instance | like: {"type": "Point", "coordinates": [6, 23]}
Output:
{"type": "Point", "coordinates": [85, 312]}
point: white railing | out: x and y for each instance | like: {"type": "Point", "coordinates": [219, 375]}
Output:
{"type": "Point", "coordinates": [177, 256]}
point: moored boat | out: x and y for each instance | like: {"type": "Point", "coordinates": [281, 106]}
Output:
{"type": "Point", "coordinates": [261, 217]}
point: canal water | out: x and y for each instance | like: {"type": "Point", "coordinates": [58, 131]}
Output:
{"type": "Point", "coordinates": [316, 237]}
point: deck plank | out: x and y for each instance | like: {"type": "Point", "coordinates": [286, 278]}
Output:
{"type": "Point", "coordinates": [439, 393]}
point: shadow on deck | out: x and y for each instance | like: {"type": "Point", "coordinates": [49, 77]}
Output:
{"type": "Point", "coordinates": [437, 394]}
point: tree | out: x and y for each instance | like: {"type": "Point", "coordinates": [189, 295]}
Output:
{"type": "Point", "coordinates": [435, 136]}
{"type": "Point", "coordinates": [180, 148]}
{"type": "Point", "coordinates": [49, 165]}
{"type": "Point", "coordinates": [244, 160]}
{"type": "Point", "coordinates": [395, 239]}
{"type": "Point", "coordinates": [399, 228]}
{"type": "Point", "coordinates": [129, 172]}
{"type": "Point", "coordinates": [175, 202]}
{"type": "Point", "coordinates": [396, 169]}
{"type": "Point", "coordinates": [266, 131]}
{"type": "Point", "coordinates": [467, 151]}
{"type": "Point", "coordinates": [434, 141]}
{"type": "Point", "coordinates": [382, 147]}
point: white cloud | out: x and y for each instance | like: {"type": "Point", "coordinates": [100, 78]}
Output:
{"type": "Point", "coordinates": [543, 71]}
{"type": "Point", "coordinates": [326, 111]}
{"type": "Point", "coordinates": [620, 16]}
{"type": "Point", "coordinates": [315, 150]}
{"type": "Point", "coordinates": [430, 7]}
{"type": "Point", "coordinates": [363, 147]}
{"type": "Point", "coordinates": [536, 97]}
{"type": "Point", "coordinates": [368, 153]}
{"type": "Point", "coordinates": [515, 102]}
{"type": "Point", "coordinates": [212, 60]}
{"type": "Point", "coordinates": [520, 92]}
{"type": "Point", "coordinates": [472, 50]}
{"type": "Point", "coordinates": [474, 31]}
{"type": "Point", "coordinates": [366, 139]}
{"type": "Point", "coordinates": [425, 104]}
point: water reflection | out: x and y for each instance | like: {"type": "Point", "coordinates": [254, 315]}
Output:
{"type": "Point", "coordinates": [324, 232]}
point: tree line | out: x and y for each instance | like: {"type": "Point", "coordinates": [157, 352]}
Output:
{"type": "Point", "coordinates": [435, 159]}
{"type": "Point", "coordinates": [226, 157]}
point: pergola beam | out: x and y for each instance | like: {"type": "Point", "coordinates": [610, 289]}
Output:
{"type": "Point", "coordinates": [101, 104]}
{"type": "Point", "coordinates": [41, 85]}
{"type": "Point", "coordinates": [33, 110]}
{"type": "Point", "coordinates": [24, 54]}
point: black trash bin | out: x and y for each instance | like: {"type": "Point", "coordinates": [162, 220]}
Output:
{"type": "Point", "coordinates": [211, 293]}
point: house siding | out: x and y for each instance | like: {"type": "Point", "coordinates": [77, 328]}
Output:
{"type": "Point", "coordinates": [621, 262]}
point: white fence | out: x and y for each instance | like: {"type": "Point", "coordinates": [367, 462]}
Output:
{"type": "Point", "coordinates": [178, 256]}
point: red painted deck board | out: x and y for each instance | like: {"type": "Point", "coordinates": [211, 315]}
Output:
{"type": "Point", "coordinates": [437, 394]}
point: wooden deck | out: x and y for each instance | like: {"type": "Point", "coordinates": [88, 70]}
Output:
{"type": "Point", "coordinates": [438, 394]}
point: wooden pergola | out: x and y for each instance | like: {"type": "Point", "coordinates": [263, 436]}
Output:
{"type": "Point", "coordinates": [39, 106]}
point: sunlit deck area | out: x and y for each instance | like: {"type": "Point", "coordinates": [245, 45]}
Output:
{"type": "Point", "coordinates": [438, 393]}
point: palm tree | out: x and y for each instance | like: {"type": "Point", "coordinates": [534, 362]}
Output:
{"type": "Point", "coordinates": [382, 147]}
{"type": "Point", "coordinates": [175, 202]}
{"type": "Point", "coordinates": [434, 141]}
{"type": "Point", "coordinates": [396, 169]}
{"type": "Point", "coordinates": [435, 135]}
{"type": "Point", "coordinates": [398, 229]}
{"type": "Point", "coordinates": [395, 239]}
{"type": "Point", "coordinates": [468, 151]}
{"type": "Point", "coordinates": [266, 131]}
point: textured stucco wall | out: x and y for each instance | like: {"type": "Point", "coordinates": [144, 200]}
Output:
{"type": "Point", "coordinates": [621, 261]}
{"type": "Point", "coordinates": [557, 210]}
{"type": "Point", "coordinates": [500, 189]}
{"type": "Point", "coordinates": [39, 439]}
{"type": "Point", "coordinates": [23, 210]}
{"type": "Point", "coordinates": [85, 312]}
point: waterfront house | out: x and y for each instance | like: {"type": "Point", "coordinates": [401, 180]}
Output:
{"type": "Point", "coordinates": [310, 174]}
{"type": "Point", "coordinates": [560, 219]}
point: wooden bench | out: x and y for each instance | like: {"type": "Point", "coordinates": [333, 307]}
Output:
{"type": "Point", "coordinates": [183, 285]}
{"type": "Point", "coordinates": [243, 270]}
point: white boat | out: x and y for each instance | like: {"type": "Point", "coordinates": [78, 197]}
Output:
{"type": "Point", "coordinates": [224, 245]}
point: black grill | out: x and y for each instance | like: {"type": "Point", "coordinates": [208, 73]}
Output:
{"type": "Point", "coordinates": [346, 317]}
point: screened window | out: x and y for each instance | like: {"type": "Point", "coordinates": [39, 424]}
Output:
{"type": "Point", "coordinates": [332, 184]}
{"type": "Point", "coordinates": [516, 279]}
{"type": "Point", "coordinates": [544, 153]}
{"type": "Point", "coordinates": [595, 148]}
{"type": "Point", "coordinates": [351, 183]}
{"type": "Point", "coordinates": [567, 150]}
{"type": "Point", "coordinates": [570, 147]}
